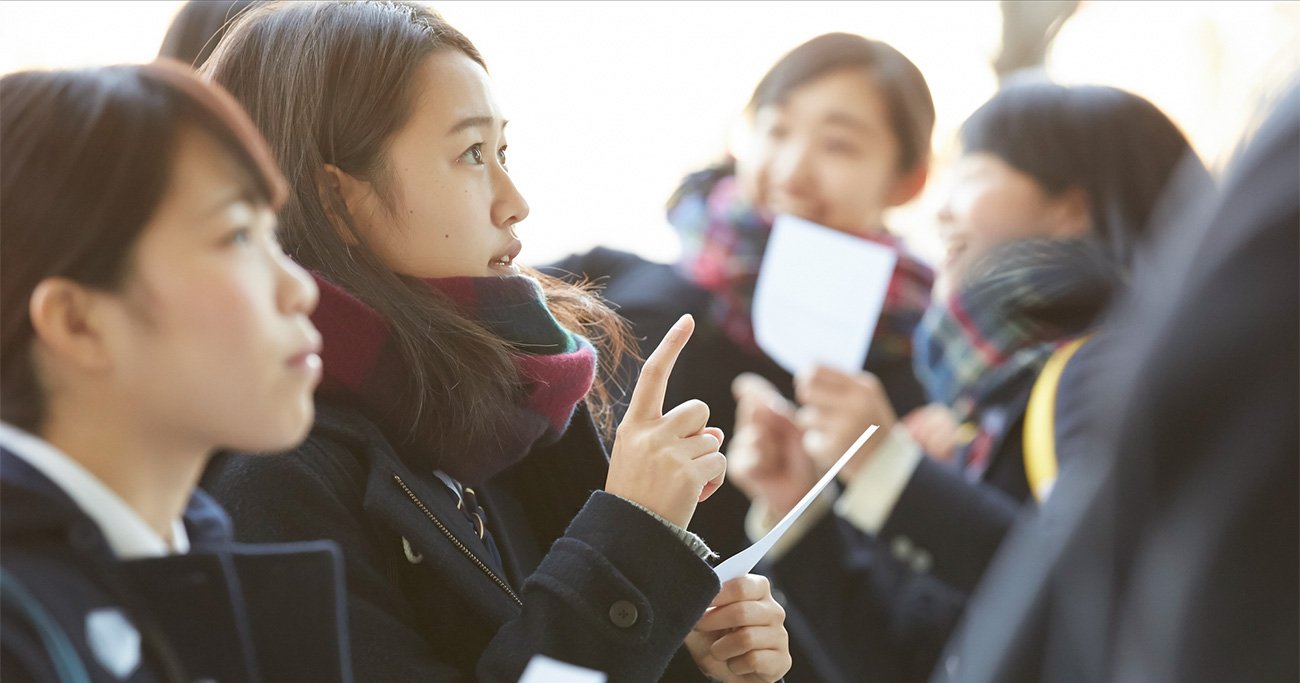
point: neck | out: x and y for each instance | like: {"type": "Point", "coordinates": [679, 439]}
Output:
{"type": "Point", "coordinates": [153, 473]}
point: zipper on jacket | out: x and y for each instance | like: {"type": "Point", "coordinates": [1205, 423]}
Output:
{"type": "Point", "coordinates": [456, 541]}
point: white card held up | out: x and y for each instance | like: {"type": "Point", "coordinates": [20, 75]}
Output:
{"type": "Point", "coordinates": [543, 669]}
{"type": "Point", "coordinates": [819, 295]}
{"type": "Point", "coordinates": [744, 561]}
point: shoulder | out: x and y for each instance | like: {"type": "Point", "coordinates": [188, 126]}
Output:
{"type": "Point", "coordinates": [284, 496]}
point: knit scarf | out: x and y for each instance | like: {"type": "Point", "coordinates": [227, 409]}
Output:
{"type": "Point", "coordinates": [723, 239]}
{"type": "Point", "coordinates": [364, 369]}
{"type": "Point", "coordinates": [1018, 303]}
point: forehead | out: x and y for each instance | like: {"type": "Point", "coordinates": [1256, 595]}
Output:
{"type": "Point", "coordinates": [203, 174]}
{"type": "Point", "coordinates": [452, 87]}
{"type": "Point", "coordinates": [842, 94]}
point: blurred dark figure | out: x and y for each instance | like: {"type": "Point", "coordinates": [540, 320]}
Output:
{"type": "Point", "coordinates": [1172, 556]}
{"type": "Point", "coordinates": [1028, 29]}
{"type": "Point", "coordinates": [198, 27]}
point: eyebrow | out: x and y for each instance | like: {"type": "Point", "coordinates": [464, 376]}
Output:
{"type": "Point", "coordinates": [244, 194]}
{"type": "Point", "coordinates": [839, 118]}
{"type": "Point", "coordinates": [475, 122]}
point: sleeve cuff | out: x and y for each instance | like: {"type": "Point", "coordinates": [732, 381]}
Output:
{"type": "Point", "coordinates": [691, 539]}
{"type": "Point", "coordinates": [759, 521]}
{"type": "Point", "coordinates": [873, 492]}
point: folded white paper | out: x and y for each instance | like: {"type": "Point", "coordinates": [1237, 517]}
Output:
{"type": "Point", "coordinates": [819, 295]}
{"type": "Point", "coordinates": [744, 561]}
{"type": "Point", "coordinates": [543, 669]}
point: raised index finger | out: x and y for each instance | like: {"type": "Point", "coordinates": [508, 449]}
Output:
{"type": "Point", "coordinates": [648, 397]}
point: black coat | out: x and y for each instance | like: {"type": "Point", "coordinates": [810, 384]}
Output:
{"type": "Point", "coordinates": [224, 611]}
{"type": "Point", "coordinates": [1173, 554]}
{"type": "Point", "coordinates": [588, 578]}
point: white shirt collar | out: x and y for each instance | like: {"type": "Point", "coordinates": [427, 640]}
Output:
{"type": "Point", "coordinates": [128, 535]}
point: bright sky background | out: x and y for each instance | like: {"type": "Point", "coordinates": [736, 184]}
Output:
{"type": "Point", "coordinates": [613, 102]}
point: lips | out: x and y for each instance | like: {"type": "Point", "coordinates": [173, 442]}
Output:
{"type": "Point", "coordinates": [308, 356]}
{"type": "Point", "coordinates": [507, 259]}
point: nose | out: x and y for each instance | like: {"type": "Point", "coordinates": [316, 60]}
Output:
{"type": "Point", "coordinates": [296, 291]}
{"type": "Point", "coordinates": [509, 206]}
{"type": "Point", "coordinates": [792, 168]}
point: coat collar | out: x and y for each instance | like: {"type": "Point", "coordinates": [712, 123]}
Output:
{"type": "Point", "coordinates": [33, 506]}
{"type": "Point", "coordinates": [550, 485]}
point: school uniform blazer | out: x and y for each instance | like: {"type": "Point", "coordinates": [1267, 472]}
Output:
{"type": "Point", "coordinates": [882, 606]}
{"type": "Point", "coordinates": [223, 611]}
{"type": "Point", "coordinates": [588, 578]}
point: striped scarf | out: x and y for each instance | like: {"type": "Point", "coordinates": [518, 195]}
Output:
{"type": "Point", "coordinates": [723, 239]}
{"type": "Point", "coordinates": [1018, 304]}
{"type": "Point", "coordinates": [362, 366]}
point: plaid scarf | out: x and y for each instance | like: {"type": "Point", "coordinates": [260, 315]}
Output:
{"type": "Point", "coordinates": [362, 367]}
{"type": "Point", "coordinates": [1019, 303]}
{"type": "Point", "coordinates": [723, 238]}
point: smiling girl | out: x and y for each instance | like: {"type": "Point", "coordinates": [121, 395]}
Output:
{"type": "Point", "coordinates": [454, 454]}
{"type": "Point", "coordinates": [149, 318]}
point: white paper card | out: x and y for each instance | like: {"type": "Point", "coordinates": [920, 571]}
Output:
{"type": "Point", "coordinates": [819, 295]}
{"type": "Point", "coordinates": [744, 561]}
{"type": "Point", "coordinates": [543, 669]}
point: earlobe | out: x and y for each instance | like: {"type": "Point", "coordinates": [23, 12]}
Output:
{"type": "Point", "coordinates": [63, 317]}
{"type": "Point", "coordinates": [909, 185]}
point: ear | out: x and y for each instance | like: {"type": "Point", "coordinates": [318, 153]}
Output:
{"type": "Point", "coordinates": [336, 184]}
{"type": "Point", "coordinates": [1073, 210]}
{"type": "Point", "coordinates": [909, 185]}
{"type": "Point", "coordinates": [68, 324]}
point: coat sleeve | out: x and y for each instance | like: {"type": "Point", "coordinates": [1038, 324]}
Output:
{"type": "Point", "coordinates": [950, 525]}
{"type": "Point", "coordinates": [597, 599]}
{"type": "Point", "coordinates": [612, 557]}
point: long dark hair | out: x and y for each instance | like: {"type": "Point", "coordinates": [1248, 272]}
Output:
{"type": "Point", "coordinates": [894, 76]}
{"type": "Point", "coordinates": [85, 158]}
{"type": "Point", "coordinates": [331, 83]}
{"type": "Point", "coordinates": [1116, 146]}
{"type": "Point", "coordinates": [199, 27]}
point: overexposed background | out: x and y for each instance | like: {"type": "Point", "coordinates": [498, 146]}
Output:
{"type": "Point", "coordinates": [613, 102]}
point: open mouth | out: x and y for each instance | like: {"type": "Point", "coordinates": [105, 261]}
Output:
{"type": "Point", "coordinates": [506, 261]}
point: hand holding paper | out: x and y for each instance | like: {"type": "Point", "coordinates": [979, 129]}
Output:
{"type": "Point", "coordinates": [743, 562]}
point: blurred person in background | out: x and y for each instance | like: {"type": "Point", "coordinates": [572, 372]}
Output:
{"type": "Point", "coordinates": [1055, 188]}
{"type": "Point", "coordinates": [198, 27]}
{"type": "Point", "coordinates": [838, 131]}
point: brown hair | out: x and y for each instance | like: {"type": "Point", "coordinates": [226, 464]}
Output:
{"type": "Point", "coordinates": [85, 158]}
{"type": "Point", "coordinates": [331, 83]}
{"type": "Point", "coordinates": [900, 83]}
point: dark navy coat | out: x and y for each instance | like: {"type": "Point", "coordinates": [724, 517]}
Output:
{"type": "Point", "coordinates": [586, 577]}
{"type": "Point", "coordinates": [223, 611]}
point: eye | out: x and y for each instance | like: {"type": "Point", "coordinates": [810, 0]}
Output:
{"type": "Point", "coordinates": [841, 147]}
{"type": "Point", "coordinates": [242, 236]}
{"type": "Point", "coordinates": [501, 156]}
{"type": "Point", "coordinates": [474, 154]}
{"type": "Point", "coordinates": [777, 132]}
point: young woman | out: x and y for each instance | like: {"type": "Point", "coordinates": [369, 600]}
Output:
{"type": "Point", "coordinates": [149, 318]}
{"type": "Point", "coordinates": [1055, 188]}
{"type": "Point", "coordinates": [837, 132]}
{"type": "Point", "coordinates": [454, 455]}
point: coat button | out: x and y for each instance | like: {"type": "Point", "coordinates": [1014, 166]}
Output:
{"type": "Point", "coordinates": [902, 548]}
{"type": "Point", "coordinates": [623, 614]}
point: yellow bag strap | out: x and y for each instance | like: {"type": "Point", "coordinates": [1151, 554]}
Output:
{"type": "Point", "coordinates": [1040, 422]}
